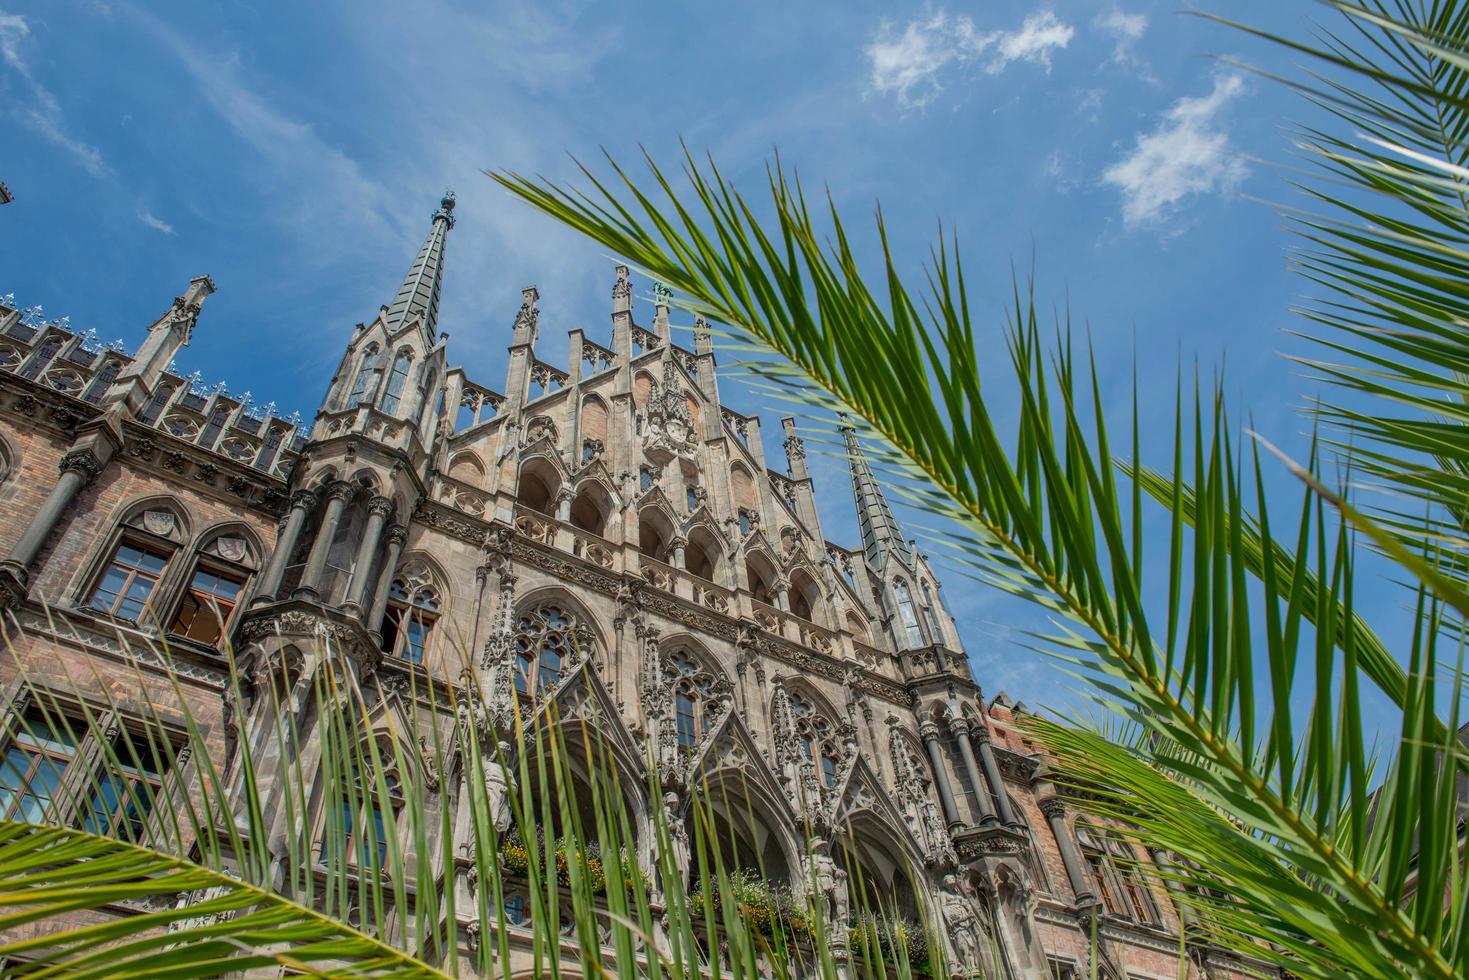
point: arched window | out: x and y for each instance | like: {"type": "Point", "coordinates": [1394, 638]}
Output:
{"type": "Point", "coordinates": [748, 521]}
{"type": "Point", "coordinates": [222, 566]}
{"type": "Point", "coordinates": [357, 827]}
{"type": "Point", "coordinates": [549, 640]}
{"type": "Point", "coordinates": [429, 381]}
{"type": "Point", "coordinates": [409, 620]}
{"type": "Point", "coordinates": [155, 405]}
{"type": "Point", "coordinates": [42, 357]}
{"type": "Point", "coordinates": [397, 378]}
{"type": "Point", "coordinates": [126, 584]}
{"type": "Point", "coordinates": [906, 614]}
{"type": "Point", "coordinates": [214, 426]}
{"type": "Point", "coordinates": [817, 737]}
{"type": "Point", "coordinates": [931, 610]}
{"type": "Point", "coordinates": [1116, 874]}
{"type": "Point", "coordinates": [367, 375]}
{"type": "Point", "coordinates": [102, 380]}
{"type": "Point", "coordinates": [696, 696]}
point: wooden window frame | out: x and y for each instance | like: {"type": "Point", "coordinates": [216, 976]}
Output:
{"type": "Point", "coordinates": [220, 569]}
{"type": "Point", "coordinates": [131, 537]}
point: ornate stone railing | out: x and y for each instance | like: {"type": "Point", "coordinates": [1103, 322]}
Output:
{"type": "Point", "coordinates": [597, 357]}
{"type": "Point", "coordinates": [535, 525]}
{"type": "Point", "coordinates": [463, 497]}
{"type": "Point", "coordinates": [711, 596]}
{"type": "Point", "coordinates": [592, 548]}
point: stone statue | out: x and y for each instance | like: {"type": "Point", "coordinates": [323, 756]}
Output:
{"type": "Point", "coordinates": [830, 882]}
{"type": "Point", "coordinates": [497, 786]}
{"type": "Point", "coordinates": [678, 832]}
{"type": "Point", "coordinates": [962, 925]}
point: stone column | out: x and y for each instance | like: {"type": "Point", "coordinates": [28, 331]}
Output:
{"type": "Point", "coordinates": [302, 503]}
{"type": "Point", "coordinates": [680, 545]}
{"type": "Point", "coordinates": [337, 495]}
{"type": "Point", "coordinates": [396, 536]}
{"type": "Point", "coordinates": [563, 505]}
{"type": "Point", "coordinates": [1081, 885]}
{"type": "Point", "coordinates": [78, 468]}
{"type": "Point", "coordinates": [378, 510]}
{"type": "Point", "coordinates": [930, 733]}
{"type": "Point", "coordinates": [961, 728]}
{"type": "Point", "coordinates": [981, 735]}
{"type": "Point", "coordinates": [1168, 869]}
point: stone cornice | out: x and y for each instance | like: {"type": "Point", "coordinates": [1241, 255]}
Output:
{"type": "Point", "coordinates": [43, 405]}
{"type": "Point", "coordinates": [573, 569]}
{"type": "Point", "coordinates": [122, 643]}
{"type": "Point", "coordinates": [204, 469]}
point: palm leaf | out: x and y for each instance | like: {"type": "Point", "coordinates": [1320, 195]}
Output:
{"type": "Point", "coordinates": [1044, 516]}
{"type": "Point", "coordinates": [56, 873]}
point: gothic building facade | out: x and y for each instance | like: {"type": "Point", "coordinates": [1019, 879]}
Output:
{"type": "Point", "coordinates": [605, 531]}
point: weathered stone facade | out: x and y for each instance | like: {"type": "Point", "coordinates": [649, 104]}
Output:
{"type": "Point", "coordinates": [612, 511]}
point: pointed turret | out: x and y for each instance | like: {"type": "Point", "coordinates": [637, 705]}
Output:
{"type": "Point", "coordinates": [418, 297]}
{"type": "Point", "coordinates": [881, 536]}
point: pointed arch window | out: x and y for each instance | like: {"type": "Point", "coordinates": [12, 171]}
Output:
{"type": "Point", "coordinates": [906, 613]}
{"type": "Point", "coordinates": [931, 610]}
{"type": "Point", "coordinates": [359, 825]}
{"type": "Point", "coordinates": [697, 694]}
{"type": "Point", "coordinates": [548, 641]}
{"type": "Point", "coordinates": [817, 737]}
{"type": "Point", "coordinates": [430, 379]}
{"type": "Point", "coordinates": [43, 355]}
{"type": "Point", "coordinates": [409, 621]}
{"type": "Point", "coordinates": [367, 375]}
{"type": "Point", "coordinates": [102, 380]}
{"type": "Point", "coordinates": [214, 426]}
{"type": "Point", "coordinates": [1117, 874]}
{"type": "Point", "coordinates": [397, 378]}
{"type": "Point", "coordinates": [155, 405]}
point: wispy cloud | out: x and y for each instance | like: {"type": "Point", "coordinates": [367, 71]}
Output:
{"type": "Point", "coordinates": [38, 108]}
{"type": "Point", "coordinates": [910, 64]}
{"type": "Point", "coordinates": [327, 198]}
{"type": "Point", "coordinates": [1039, 35]}
{"type": "Point", "coordinates": [1185, 155]}
{"type": "Point", "coordinates": [153, 221]}
{"type": "Point", "coordinates": [1125, 30]}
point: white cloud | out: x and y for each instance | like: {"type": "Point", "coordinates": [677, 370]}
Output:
{"type": "Point", "coordinates": [1125, 29]}
{"type": "Point", "coordinates": [153, 221]}
{"type": "Point", "coordinates": [910, 64]}
{"type": "Point", "coordinates": [42, 112]}
{"type": "Point", "coordinates": [1186, 154]}
{"type": "Point", "coordinates": [1040, 34]}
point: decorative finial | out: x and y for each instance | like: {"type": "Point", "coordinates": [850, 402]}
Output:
{"type": "Point", "coordinates": [446, 208]}
{"type": "Point", "coordinates": [661, 294]}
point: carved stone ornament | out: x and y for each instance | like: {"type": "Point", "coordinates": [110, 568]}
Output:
{"type": "Point", "coordinates": [231, 548]}
{"type": "Point", "coordinates": [81, 461]}
{"type": "Point", "coordinates": [669, 433]}
{"type": "Point", "coordinates": [160, 522]}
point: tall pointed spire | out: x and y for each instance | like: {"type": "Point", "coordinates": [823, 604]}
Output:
{"type": "Point", "coordinates": [418, 297]}
{"type": "Point", "coordinates": [881, 536]}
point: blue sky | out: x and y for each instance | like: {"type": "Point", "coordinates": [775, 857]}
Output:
{"type": "Point", "coordinates": [295, 153]}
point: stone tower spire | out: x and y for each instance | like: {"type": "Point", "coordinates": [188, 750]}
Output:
{"type": "Point", "coordinates": [418, 297]}
{"type": "Point", "coordinates": [881, 536]}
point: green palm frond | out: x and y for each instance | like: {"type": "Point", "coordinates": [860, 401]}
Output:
{"type": "Point", "coordinates": [380, 852]}
{"type": "Point", "coordinates": [1256, 667]}
{"type": "Point", "coordinates": [52, 874]}
{"type": "Point", "coordinates": [1386, 236]}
